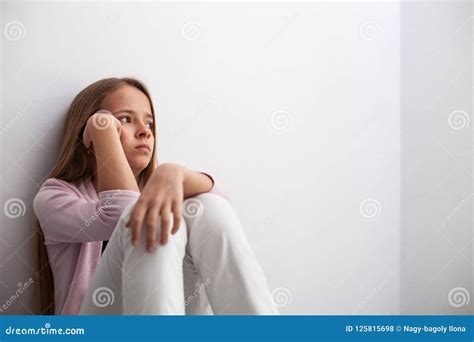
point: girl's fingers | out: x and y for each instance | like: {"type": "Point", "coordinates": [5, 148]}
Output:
{"type": "Point", "coordinates": [176, 216]}
{"type": "Point", "coordinates": [144, 211]}
{"type": "Point", "coordinates": [136, 232]}
{"type": "Point", "coordinates": [165, 221]}
{"type": "Point", "coordinates": [135, 221]}
{"type": "Point", "coordinates": [151, 224]}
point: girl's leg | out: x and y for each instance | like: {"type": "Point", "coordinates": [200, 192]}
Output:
{"type": "Point", "coordinates": [233, 279]}
{"type": "Point", "coordinates": [142, 283]}
{"type": "Point", "coordinates": [195, 298]}
{"type": "Point", "coordinates": [104, 293]}
{"type": "Point", "coordinates": [153, 282]}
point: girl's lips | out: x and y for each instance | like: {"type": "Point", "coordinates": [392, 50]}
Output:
{"type": "Point", "coordinates": [142, 148]}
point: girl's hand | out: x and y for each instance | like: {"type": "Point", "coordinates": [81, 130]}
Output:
{"type": "Point", "coordinates": [101, 120]}
{"type": "Point", "coordinates": [162, 195]}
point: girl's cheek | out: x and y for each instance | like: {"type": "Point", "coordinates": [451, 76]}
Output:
{"type": "Point", "coordinates": [124, 136]}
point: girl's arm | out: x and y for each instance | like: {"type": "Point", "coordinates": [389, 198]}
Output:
{"type": "Point", "coordinates": [162, 199]}
{"type": "Point", "coordinates": [195, 182]}
{"type": "Point", "coordinates": [66, 216]}
{"type": "Point", "coordinates": [113, 171]}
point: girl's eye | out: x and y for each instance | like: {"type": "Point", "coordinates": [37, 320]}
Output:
{"type": "Point", "coordinates": [127, 120]}
{"type": "Point", "coordinates": [124, 117]}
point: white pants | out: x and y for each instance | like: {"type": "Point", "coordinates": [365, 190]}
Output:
{"type": "Point", "coordinates": [207, 267]}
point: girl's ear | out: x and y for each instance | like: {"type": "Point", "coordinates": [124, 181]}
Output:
{"type": "Point", "coordinates": [90, 150]}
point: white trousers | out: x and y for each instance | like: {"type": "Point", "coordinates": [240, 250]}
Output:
{"type": "Point", "coordinates": [207, 267]}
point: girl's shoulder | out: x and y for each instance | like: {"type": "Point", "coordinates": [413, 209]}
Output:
{"type": "Point", "coordinates": [57, 182]}
{"type": "Point", "coordinates": [78, 187]}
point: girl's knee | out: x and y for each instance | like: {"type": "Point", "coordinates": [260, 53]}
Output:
{"type": "Point", "coordinates": [208, 205]}
{"type": "Point", "coordinates": [125, 215]}
{"type": "Point", "coordinates": [211, 213]}
{"type": "Point", "coordinates": [179, 238]}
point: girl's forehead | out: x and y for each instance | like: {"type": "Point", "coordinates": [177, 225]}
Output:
{"type": "Point", "coordinates": [129, 97]}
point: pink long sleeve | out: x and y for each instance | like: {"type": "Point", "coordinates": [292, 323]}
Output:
{"type": "Point", "coordinates": [66, 215]}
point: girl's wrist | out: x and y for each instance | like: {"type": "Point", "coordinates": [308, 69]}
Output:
{"type": "Point", "coordinates": [176, 170]}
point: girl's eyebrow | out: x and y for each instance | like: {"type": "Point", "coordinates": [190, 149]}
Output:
{"type": "Point", "coordinates": [130, 111]}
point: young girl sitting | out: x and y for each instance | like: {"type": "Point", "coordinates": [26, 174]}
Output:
{"type": "Point", "coordinates": [175, 245]}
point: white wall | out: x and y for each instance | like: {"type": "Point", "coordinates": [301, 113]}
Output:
{"type": "Point", "coordinates": [436, 134]}
{"type": "Point", "coordinates": [328, 71]}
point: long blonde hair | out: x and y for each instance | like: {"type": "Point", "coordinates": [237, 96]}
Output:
{"type": "Point", "coordinates": [74, 163]}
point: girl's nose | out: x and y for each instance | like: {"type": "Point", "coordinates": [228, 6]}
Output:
{"type": "Point", "coordinates": [143, 131]}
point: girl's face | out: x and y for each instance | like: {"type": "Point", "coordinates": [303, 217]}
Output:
{"type": "Point", "coordinates": [132, 108]}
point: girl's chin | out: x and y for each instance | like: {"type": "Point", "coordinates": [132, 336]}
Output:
{"type": "Point", "coordinates": [140, 164]}
{"type": "Point", "coordinates": [139, 158]}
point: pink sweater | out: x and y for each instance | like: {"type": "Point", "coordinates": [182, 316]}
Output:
{"type": "Point", "coordinates": [75, 221]}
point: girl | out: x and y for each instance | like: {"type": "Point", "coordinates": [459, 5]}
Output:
{"type": "Point", "coordinates": [106, 185]}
